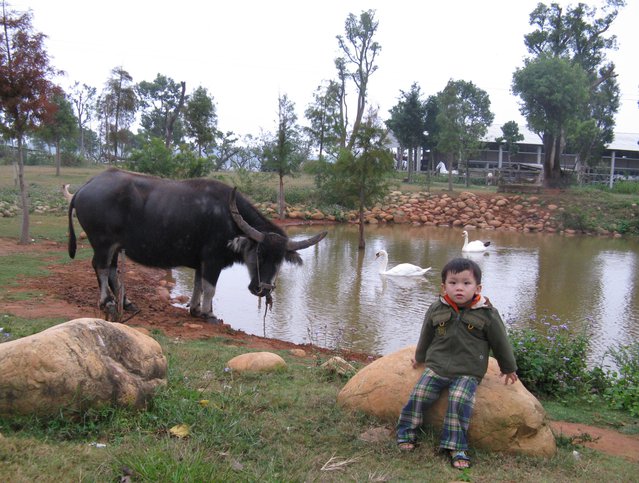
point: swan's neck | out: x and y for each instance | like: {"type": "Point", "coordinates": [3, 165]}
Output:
{"type": "Point", "coordinates": [383, 263]}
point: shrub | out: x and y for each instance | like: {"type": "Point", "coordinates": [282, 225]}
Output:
{"type": "Point", "coordinates": [626, 187]}
{"type": "Point", "coordinates": [577, 219]}
{"type": "Point", "coordinates": [551, 360]}
{"type": "Point", "coordinates": [622, 388]}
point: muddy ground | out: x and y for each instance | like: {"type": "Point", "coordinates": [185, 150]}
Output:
{"type": "Point", "coordinates": [70, 291]}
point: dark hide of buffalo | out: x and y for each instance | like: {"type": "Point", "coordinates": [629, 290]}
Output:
{"type": "Point", "coordinates": [199, 223]}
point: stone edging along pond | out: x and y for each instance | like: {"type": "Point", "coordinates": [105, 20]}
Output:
{"type": "Point", "coordinates": [464, 210]}
{"type": "Point", "coordinates": [498, 211]}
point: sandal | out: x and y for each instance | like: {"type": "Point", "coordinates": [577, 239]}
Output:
{"type": "Point", "coordinates": [406, 446]}
{"type": "Point", "coordinates": [459, 460]}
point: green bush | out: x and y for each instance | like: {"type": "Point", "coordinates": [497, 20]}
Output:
{"type": "Point", "coordinates": [622, 388]}
{"type": "Point", "coordinates": [156, 159]}
{"type": "Point", "coordinates": [153, 158]}
{"type": "Point", "coordinates": [552, 360]}
{"type": "Point", "coordinates": [577, 220]}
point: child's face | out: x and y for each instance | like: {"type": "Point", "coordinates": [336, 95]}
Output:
{"type": "Point", "coordinates": [461, 287]}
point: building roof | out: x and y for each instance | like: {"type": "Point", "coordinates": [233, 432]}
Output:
{"type": "Point", "coordinates": [494, 131]}
{"type": "Point", "coordinates": [621, 142]}
{"type": "Point", "coordinates": [624, 141]}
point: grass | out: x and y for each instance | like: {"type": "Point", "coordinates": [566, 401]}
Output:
{"type": "Point", "coordinates": [593, 413]}
{"type": "Point", "coordinates": [283, 426]}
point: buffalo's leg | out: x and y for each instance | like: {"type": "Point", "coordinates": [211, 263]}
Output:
{"type": "Point", "coordinates": [106, 302]}
{"type": "Point", "coordinates": [203, 292]}
{"type": "Point", "coordinates": [207, 301]}
{"type": "Point", "coordinates": [195, 304]}
{"type": "Point", "coordinates": [115, 285]}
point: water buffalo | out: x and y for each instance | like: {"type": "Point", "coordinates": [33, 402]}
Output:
{"type": "Point", "coordinates": [199, 223]}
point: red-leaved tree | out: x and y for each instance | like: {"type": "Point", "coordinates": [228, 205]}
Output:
{"type": "Point", "coordinates": [25, 89]}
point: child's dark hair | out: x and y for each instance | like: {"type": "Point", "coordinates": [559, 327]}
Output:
{"type": "Point", "coordinates": [457, 265]}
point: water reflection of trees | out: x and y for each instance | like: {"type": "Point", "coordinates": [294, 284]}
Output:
{"type": "Point", "coordinates": [338, 297]}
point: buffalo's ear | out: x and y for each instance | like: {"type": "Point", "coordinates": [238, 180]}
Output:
{"type": "Point", "coordinates": [293, 257]}
{"type": "Point", "coordinates": [238, 244]}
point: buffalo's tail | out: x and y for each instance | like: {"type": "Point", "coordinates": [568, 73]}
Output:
{"type": "Point", "coordinates": [72, 241]}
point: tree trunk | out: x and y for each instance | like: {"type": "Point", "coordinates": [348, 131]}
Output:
{"type": "Point", "coordinates": [552, 154]}
{"type": "Point", "coordinates": [362, 241]}
{"type": "Point", "coordinates": [280, 200]}
{"type": "Point", "coordinates": [168, 135]}
{"type": "Point", "coordinates": [82, 151]}
{"type": "Point", "coordinates": [58, 161]}
{"type": "Point", "coordinates": [450, 172]}
{"type": "Point", "coordinates": [412, 156]}
{"type": "Point", "coordinates": [25, 239]}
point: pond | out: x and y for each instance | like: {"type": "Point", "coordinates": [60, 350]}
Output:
{"type": "Point", "coordinates": [338, 298]}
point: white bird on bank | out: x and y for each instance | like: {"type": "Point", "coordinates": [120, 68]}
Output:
{"type": "Point", "coordinates": [403, 269]}
{"type": "Point", "coordinates": [475, 245]}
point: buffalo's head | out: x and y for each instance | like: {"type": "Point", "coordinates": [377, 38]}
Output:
{"type": "Point", "coordinates": [264, 253]}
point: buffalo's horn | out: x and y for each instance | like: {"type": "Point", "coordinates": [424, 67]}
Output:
{"type": "Point", "coordinates": [251, 232]}
{"type": "Point", "coordinates": [298, 245]}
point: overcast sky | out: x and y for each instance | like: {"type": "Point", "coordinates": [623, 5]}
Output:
{"type": "Point", "coordinates": [247, 52]}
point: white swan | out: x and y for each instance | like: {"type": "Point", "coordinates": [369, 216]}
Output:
{"type": "Point", "coordinates": [403, 269]}
{"type": "Point", "coordinates": [473, 246]}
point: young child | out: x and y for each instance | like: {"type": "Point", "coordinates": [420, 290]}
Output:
{"type": "Point", "coordinates": [458, 332]}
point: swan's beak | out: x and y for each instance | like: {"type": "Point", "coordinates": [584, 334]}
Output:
{"type": "Point", "coordinates": [377, 255]}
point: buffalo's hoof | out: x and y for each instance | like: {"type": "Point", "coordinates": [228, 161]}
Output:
{"type": "Point", "coordinates": [212, 319]}
{"type": "Point", "coordinates": [131, 307]}
{"type": "Point", "coordinates": [111, 312]}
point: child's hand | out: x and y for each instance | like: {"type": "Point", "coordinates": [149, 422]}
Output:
{"type": "Point", "coordinates": [511, 376]}
{"type": "Point", "coordinates": [414, 363]}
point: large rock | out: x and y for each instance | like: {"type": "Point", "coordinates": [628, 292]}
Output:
{"type": "Point", "coordinates": [79, 364]}
{"type": "Point", "coordinates": [505, 418]}
{"type": "Point", "coordinates": [256, 362]}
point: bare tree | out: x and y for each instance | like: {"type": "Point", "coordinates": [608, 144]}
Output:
{"type": "Point", "coordinates": [360, 51]}
{"type": "Point", "coordinates": [83, 99]}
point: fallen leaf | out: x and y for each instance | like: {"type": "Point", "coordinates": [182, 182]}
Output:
{"type": "Point", "coordinates": [180, 430]}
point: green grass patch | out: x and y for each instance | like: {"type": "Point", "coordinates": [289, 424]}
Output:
{"type": "Point", "coordinates": [592, 411]}
{"type": "Point", "coordinates": [281, 426]}
{"type": "Point", "coordinates": [16, 327]}
{"type": "Point", "coordinates": [14, 267]}
{"type": "Point", "coordinates": [41, 227]}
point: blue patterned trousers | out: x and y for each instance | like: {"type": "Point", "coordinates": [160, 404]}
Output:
{"type": "Point", "coordinates": [461, 400]}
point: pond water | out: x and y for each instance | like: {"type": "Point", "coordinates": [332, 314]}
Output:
{"type": "Point", "coordinates": [338, 298]}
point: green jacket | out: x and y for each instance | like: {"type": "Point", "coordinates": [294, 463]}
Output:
{"type": "Point", "coordinates": [458, 344]}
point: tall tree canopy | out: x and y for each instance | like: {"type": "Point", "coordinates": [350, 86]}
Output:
{"type": "Point", "coordinates": [408, 123]}
{"type": "Point", "coordinates": [324, 116]}
{"type": "Point", "coordinates": [510, 136]}
{"type": "Point", "coordinates": [554, 92]}
{"type": "Point", "coordinates": [162, 101]}
{"type": "Point", "coordinates": [285, 152]}
{"type": "Point", "coordinates": [26, 89]}
{"type": "Point", "coordinates": [578, 36]}
{"type": "Point", "coordinates": [83, 98]}
{"type": "Point", "coordinates": [462, 121]}
{"type": "Point", "coordinates": [362, 177]}
{"type": "Point", "coordinates": [117, 107]}
{"type": "Point", "coordinates": [200, 118]}
{"type": "Point", "coordinates": [60, 124]}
